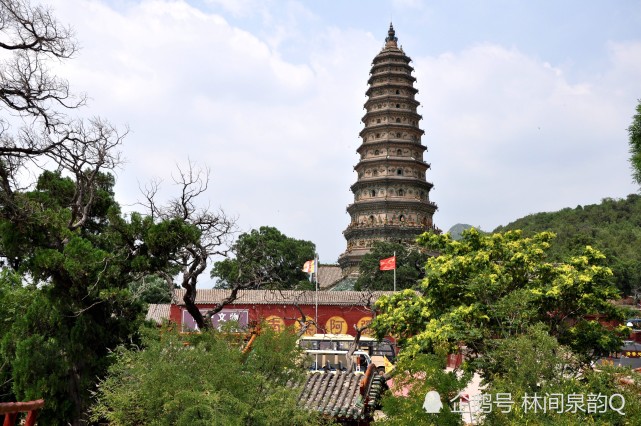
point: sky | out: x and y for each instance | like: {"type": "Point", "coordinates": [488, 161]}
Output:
{"type": "Point", "coordinates": [525, 104]}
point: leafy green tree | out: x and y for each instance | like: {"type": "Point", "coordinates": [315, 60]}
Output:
{"type": "Point", "coordinates": [83, 262]}
{"type": "Point", "coordinates": [82, 307]}
{"type": "Point", "coordinates": [54, 231]}
{"type": "Point", "coordinates": [205, 379]}
{"type": "Point", "coordinates": [417, 376]}
{"type": "Point", "coordinates": [410, 265]}
{"type": "Point", "coordinates": [634, 132]}
{"type": "Point", "coordinates": [151, 289]}
{"type": "Point", "coordinates": [13, 298]}
{"type": "Point", "coordinates": [535, 364]}
{"type": "Point", "coordinates": [613, 227]}
{"type": "Point", "coordinates": [265, 258]}
{"type": "Point", "coordinates": [490, 287]}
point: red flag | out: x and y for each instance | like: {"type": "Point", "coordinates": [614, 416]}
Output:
{"type": "Point", "coordinates": [388, 264]}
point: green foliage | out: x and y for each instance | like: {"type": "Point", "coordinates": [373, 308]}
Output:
{"type": "Point", "coordinates": [410, 261]}
{"type": "Point", "coordinates": [613, 227]}
{"type": "Point", "coordinates": [418, 376]}
{"type": "Point", "coordinates": [535, 364]}
{"type": "Point", "coordinates": [151, 289]}
{"type": "Point", "coordinates": [634, 132]}
{"type": "Point", "coordinates": [490, 287]}
{"type": "Point", "coordinates": [208, 381]}
{"type": "Point", "coordinates": [57, 347]}
{"type": "Point", "coordinates": [13, 298]}
{"type": "Point", "coordinates": [266, 258]}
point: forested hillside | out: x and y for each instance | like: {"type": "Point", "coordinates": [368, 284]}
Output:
{"type": "Point", "coordinates": [614, 227]}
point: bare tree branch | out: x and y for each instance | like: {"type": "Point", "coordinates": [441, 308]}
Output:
{"type": "Point", "coordinates": [215, 232]}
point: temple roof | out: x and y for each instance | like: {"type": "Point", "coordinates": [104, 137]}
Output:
{"type": "Point", "coordinates": [328, 275]}
{"type": "Point", "coordinates": [300, 297]}
{"type": "Point", "coordinates": [342, 395]}
{"type": "Point", "coordinates": [158, 312]}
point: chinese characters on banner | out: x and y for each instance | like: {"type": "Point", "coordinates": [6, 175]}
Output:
{"type": "Point", "coordinates": [309, 322]}
{"type": "Point", "coordinates": [276, 323]}
{"type": "Point", "coordinates": [336, 325]}
{"type": "Point", "coordinates": [241, 316]}
{"type": "Point", "coordinates": [362, 323]}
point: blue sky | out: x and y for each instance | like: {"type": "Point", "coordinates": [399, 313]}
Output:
{"type": "Point", "coordinates": [525, 104]}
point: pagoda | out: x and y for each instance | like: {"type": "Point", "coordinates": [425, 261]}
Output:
{"type": "Point", "coordinates": [391, 193]}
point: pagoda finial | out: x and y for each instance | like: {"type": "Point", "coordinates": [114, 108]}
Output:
{"type": "Point", "coordinates": [391, 34]}
{"type": "Point", "coordinates": [391, 39]}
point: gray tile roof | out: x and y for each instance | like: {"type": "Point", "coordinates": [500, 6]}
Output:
{"type": "Point", "coordinates": [301, 297]}
{"type": "Point", "coordinates": [328, 275]}
{"type": "Point", "coordinates": [158, 312]}
{"type": "Point", "coordinates": [338, 395]}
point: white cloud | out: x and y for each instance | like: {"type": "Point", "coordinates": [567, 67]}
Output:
{"type": "Point", "coordinates": [507, 134]}
{"type": "Point", "coordinates": [510, 135]}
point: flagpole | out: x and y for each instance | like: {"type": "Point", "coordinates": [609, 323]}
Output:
{"type": "Point", "coordinates": [316, 292]}
{"type": "Point", "coordinates": [394, 271]}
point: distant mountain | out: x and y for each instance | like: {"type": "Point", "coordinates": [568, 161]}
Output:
{"type": "Point", "coordinates": [614, 227]}
{"type": "Point", "coordinates": [456, 230]}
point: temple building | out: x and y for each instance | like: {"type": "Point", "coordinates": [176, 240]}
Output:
{"type": "Point", "coordinates": [391, 193]}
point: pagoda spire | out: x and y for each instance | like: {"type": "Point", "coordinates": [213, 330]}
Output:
{"type": "Point", "coordinates": [391, 193]}
{"type": "Point", "coordinates": [391, 34]}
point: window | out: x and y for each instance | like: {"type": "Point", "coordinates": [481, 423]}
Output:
{"type": "Point", "coordinates": [378, 135]}
{"type": "Point", "coordinates": [378, 120]}
{"type": "Point", "coordinates": [375, 173]}
{"type": "Point", "coordinates": [399, 152]}
{"type": "Point", "coordinates": [398, 120]}
{"type": "Point", "coordinates": [398, 105]}
{"type": "Point", "coordinates": [371, 219]}
{"type": "Point", "coordinates": [399, 172]}
{"type": "Point", "coordinates": [398, 135]}
{"type": "Point", "coordinates": [372, 193]}
{"type": "Point", "coordinates": [376, 152]}
{"type": "Point", "coordinates": [401, 192]}
{"type": "Point", "coordinates": [398, 92]}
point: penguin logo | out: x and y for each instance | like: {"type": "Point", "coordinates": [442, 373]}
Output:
{"type": "Point", "coordinates": [432, 403]}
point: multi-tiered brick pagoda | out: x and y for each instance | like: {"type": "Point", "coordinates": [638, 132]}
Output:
{"type": "Point", "coordinates": [391, 194]}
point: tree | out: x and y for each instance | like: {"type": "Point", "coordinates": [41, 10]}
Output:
{"type": "Point", "coordinates": [410, 263]}
{"type": "Point", "coordinates": [189, 235]}
{"type": "Point", "coordinates": [151, 289]}
{"type": "Point", "coordinates": [30, 38]}
{"type": "Point", "coordinates": [634, 132]}
{"type": "Point", "coordinates": [417, 377]}
{"type": "Point", "coordinates": [79, 306]}
{"type": "Point", "coordinates": [265, 258]}
{"type": "Point", "coordinates": [64, 235]}
{"type": "Point", "coordinates": [490, 287]}
{"type": "Point", "coordinates": [205, 379]}
{"type": "Point", "coordinates": [536, 364]}
{"type": "Point", "coordinates": [612, 227]}
{"type": "Point", "coordinates": [57, 345]}
{"type": "Point", "coordinates": [525, 323]}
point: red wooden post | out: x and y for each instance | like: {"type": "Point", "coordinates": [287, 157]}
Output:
{"type": "Point", "coordinates": [10, 419]}
{"type": "Point", "coordinates": [11, 410]}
